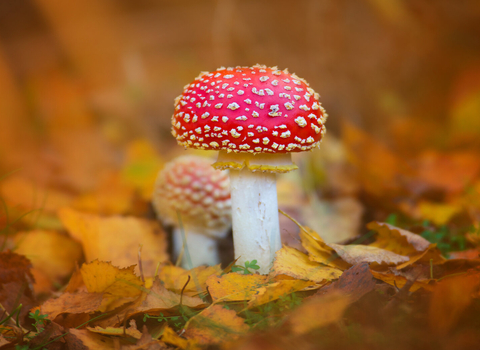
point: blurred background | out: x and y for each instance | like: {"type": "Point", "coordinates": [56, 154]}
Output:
{"type": "Point", "coordinates": [87, 90]}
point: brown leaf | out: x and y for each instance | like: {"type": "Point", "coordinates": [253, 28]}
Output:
{"type": "Point", "coordinates": [77, 303]}
{"type": "Point", "coordinates": [14, 267]}
{"type": "Point", "coordinates": [354, 282]}
{"type": "Point", "coordinates": [215, 325]}
{"type": "Point", "coordinates": [52, 330]}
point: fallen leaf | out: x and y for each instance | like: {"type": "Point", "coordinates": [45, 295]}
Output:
{"type": "Point", "coordinates": [14, 267]}
{"type": "Point", "coordinates": [397, 240]}
{"type": "Point", "coordinates": [318, 312]}
{"type": "Point", "coordinates": [431, 255]}
{"type": "Point", "coordinates": [277, 290]}
{"type": "Point", "coordinates": [438, 213]}
{"type": "Point", "coordinates": [111, 196]}
{"type": "Point", "coordinates": [378, 169]}
{"type": "Point", "coordinates": [103, 277]}
{"type": "Point", "coordinates": [317, 249]}
{"type": "Point", "coordinates": [449, 172]}
{"type": "Point", "coordinates": [131, 331]}
{"type": "Point", "coordinates": [24, 194]}
{"type": "Point", "coordinates": [399, 281]}
{"type": "Point", "coordinates": [52, 331]}
{"type": "Point", "coordinates": [145, 342]}
{"type": "Point", "coordinates": [50, 252]}
{"type": "Point", "coordinates": [72, 303]}
{"type": "Point", "coordinates": [336, 219]}
{"type": "Point", "coordinates": [117, 239]}
{"type": "Point", "coordinates": [292, 262]}
{"type": "Point", "coordinates": [93, 341]}
{"type": "Point", "coordinates": [169, 336]}
{"type": "Point", "coordinates": [354, 282]}
{"type": "Point", "coordinates": [158, 299]}
{"type": "Point", "coordinates": [234, 287]}
{"type": "Point", "coordinates": [356, 254]}
{"type": "Point", "coordinates": [450, 299]}
{"type": "Point", "coordinates": [215, 325]}
{"type": "Point", "coordinates": [175, 278]}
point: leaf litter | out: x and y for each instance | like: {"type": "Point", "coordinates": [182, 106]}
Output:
{"type": "Point", "coordinates": [127, 295]}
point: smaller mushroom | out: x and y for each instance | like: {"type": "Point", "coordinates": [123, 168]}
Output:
{"type": "Point", "coordinates": [195, 198]}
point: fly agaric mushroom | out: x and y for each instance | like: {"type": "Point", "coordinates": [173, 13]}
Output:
{"type": "Point", "coordinates": [255, 116]}
{"type": "Point", "coordinates": [189, 189]}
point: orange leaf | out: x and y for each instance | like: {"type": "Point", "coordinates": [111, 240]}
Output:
{"type": "Point", "coordinates": [318, 312]}
{"type": "Point", "coordinates": [450, 298]}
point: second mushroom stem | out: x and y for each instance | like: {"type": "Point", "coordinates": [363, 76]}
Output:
{"type": "Point", "coordinates": [255, 223]}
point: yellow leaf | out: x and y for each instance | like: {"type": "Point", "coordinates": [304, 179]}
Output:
{"type": "Point", "coordinates": [234, 287]}
{"type": "Point", "coordinates": [438, 213]}
{"type": "Point", "coordinates": [159, 298]}
{"type": "Point", "coordinates": [93, 341]}
{"type": "Point", "coordinates": [291, 262]}
{"type": "Point", "coordinates": [175, 278]}
{"type": "Point", "coordinates": [102, 277]}
{"type": "Point", "coordinates": [112, 331]}
{"type": "Point", "coordinates": [169, 336]}
{"type": "Point", "coordinates": [215, 325]}
{"type": "Point", "coordinates": [117, 239]}
{"type": "Point", "coordinates": [317, 249]}
{"type": "Point", "coordinates": [318, 312]}
{"type": "Point", "coordinates": [356, 254]}
{"type": "Point", "coordinates": [50, 252]}
{"type": "Point", "coordinates": [276, 290]}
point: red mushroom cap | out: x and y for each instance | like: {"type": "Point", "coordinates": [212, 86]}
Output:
{"type": "Point", "coordinates": [190, 186]}
{"type": "Point", "coordinates": [249, 109]}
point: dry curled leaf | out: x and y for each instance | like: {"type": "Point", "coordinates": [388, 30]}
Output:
{"type": "Point", "coordinates": [356, 254]}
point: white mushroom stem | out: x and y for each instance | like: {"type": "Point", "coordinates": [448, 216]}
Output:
{"type": "Point", "coordinates": [256, 230]}
{"type": "Point", "coordinates": [200, 249]}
